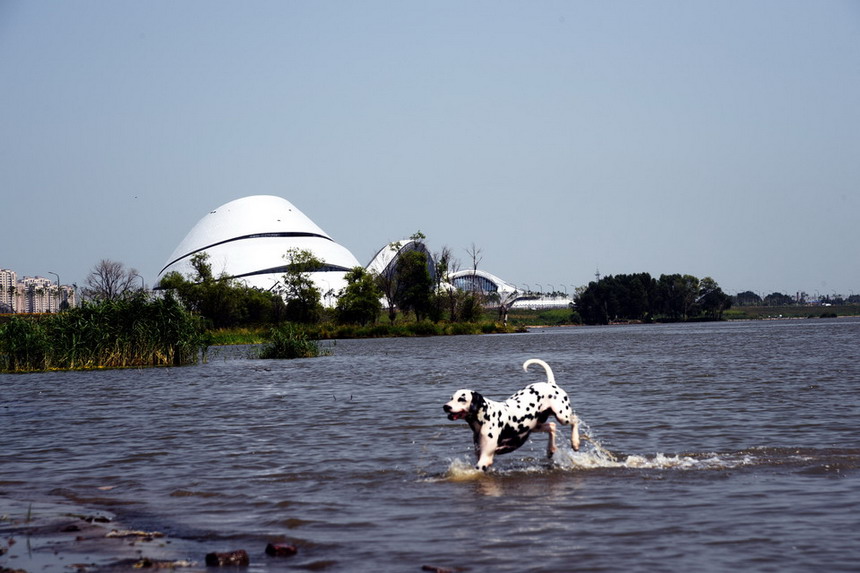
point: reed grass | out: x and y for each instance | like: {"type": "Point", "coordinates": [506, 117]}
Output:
{"type": "Point", "coordinates": [137, 331]}
{"type": "Point", "coordinates": [289, 341]}
{"type": "Point", "coordinates": [407, 329]}
{"type": "Point", "coordinates": [238, 335]}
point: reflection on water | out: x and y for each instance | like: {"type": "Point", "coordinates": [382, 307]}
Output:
{"type": "Point", "coordinates": [713, 446]}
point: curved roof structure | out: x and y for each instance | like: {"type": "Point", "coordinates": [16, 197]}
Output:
{"type": "Point", "coordinates": [484, 282]}
{"type": "Point", "coordinates": [385, 261]}
{"type": "Point", "coordinates": [247, 239]}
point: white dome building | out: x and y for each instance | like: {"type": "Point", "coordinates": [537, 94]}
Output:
{"type": "Point", "coordinates": [247, 239]}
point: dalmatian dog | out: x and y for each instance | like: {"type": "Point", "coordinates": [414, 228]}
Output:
{"type": "Point", "coordinates": [502, 427]}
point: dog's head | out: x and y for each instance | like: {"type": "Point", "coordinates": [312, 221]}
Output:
{"type": "Point", "coordinates": [464, 403]}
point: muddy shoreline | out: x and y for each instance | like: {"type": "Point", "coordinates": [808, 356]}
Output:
{"type": "Point", "coordinates": [54, 537]}
{"type": "Point", "coordinates": [51, 537]}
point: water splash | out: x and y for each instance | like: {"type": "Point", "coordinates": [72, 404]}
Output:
{"type": "Point", "coordinates": [594, 456]}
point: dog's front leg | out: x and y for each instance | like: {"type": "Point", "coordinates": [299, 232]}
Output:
{"type": "Point", "coordinates": [574, 434]}
{"type": "Point", "coordinates": [485, 449]}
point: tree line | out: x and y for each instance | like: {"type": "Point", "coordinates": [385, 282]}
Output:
{"type": "Point", "coordinates": [640, 297]}
{"type": "Point", "coordinates": [750, 298]}
{"type": "Point", "coordinates": [416, 285]}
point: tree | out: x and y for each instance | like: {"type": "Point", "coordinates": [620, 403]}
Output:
{"type": "Point", "coordinates": [712, 300]}
{"type": "Point", "coordinates": [640, 297]}
{"type": "Point", "coordinates": [677, 295]}
{"type": "Point", "coordinates": [403, 283]}
{"type": "Point", "coordinates": [475, 254]}
{"type": "Point", "coordinates": [414, 283]}
{"type": "Point", "coordinates": [591, 303]}
{"type": "Point", "coordinates": [443, 291]}
{"type": "Point", "coordinates": [748, 298]}
{"type": "Point", "coordinates": [387, 282]}
{"type": "Point", "coordinates": [778, 299]}
{"type": "Point", "coordinates": [620, 297]}
{"type": "Point", "coordinates": [302, 296]}
{"type": "Point", "coordinates": [223, 301]}
{"type": "Point", "coordinates": [359, 301]}
{"type": "Point", "coordinates": [110, 280]}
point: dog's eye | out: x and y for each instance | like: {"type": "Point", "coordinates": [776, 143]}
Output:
{"type": "Point", "coordinates": [462, 399]}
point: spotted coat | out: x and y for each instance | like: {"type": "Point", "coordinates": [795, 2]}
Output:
{"type": "Point", "coordinates": [502, 427]}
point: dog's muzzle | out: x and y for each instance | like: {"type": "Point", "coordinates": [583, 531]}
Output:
{"type": "Point", "coordinates": [453, 415]}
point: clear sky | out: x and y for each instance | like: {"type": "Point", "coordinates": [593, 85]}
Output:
{"type": "Point", "coordinates": [717, 138]}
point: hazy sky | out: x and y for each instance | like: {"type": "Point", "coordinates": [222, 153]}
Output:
{"type": "Point", "coordinates": [715, 138]}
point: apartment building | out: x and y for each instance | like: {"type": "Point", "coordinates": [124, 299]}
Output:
{"type": "Point", "coordinates": [8, 282]}
{"type": "Point", "coordinates": [33, 294]}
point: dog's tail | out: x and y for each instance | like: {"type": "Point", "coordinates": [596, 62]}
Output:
{"type": "Point", "coordinates": [549, 375]}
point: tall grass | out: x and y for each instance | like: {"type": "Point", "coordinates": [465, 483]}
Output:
{"type": "Point", "coordinates": [408, 329]}
{"type": "Point", "coordinates": [131, 332]}
{"type": "Point", "coordinates": [290, 341]}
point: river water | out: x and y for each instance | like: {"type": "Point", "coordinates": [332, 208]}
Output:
{"type": "Point", "coordinates": [714, 447]}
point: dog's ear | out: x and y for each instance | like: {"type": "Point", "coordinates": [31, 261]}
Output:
{"type": "Point", "coordinates": [477, 403]}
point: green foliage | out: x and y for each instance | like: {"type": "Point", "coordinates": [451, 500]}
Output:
{"type": "Point", "coordinates": [639, 297]}
{"type": "Point", "coordinates": [790, 311]}
{"type": "Point", "coordinates": [135, 331]}
{"type": "Point", "coordinates": [238, 335]}
{"type": "Point", "coordinates": [712, 300]}
{"type": "Point", "coordinates": [778, 299]}
{"type": "Point", "coordinates": [747, 298]}
{"type": "Point", "coordinates": [23, 345]}
{"type": "Point", "coordinates": [359, 302]}
{"type": "Point", "coordinates": [222, 302]}
{"type": "Point", "coordinates": [302, 296]}
{"type": "Point", "coordinates": [408, 329]}
{"type": "Point", "coordinates": [290, 341]}
{"type": "Point", "coordinates": [415, 283]}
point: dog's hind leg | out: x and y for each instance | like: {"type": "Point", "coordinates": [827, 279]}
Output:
{"type": "Point", "coordinates": [548, 428]}
{"type": "Point", "coordinates": [574, 433]}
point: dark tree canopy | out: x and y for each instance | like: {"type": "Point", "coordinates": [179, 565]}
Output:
{"type": "Point", "coordinates": [223, 302]}
{"type": "Point", "coordinates": [303, 297]}
{"type": "Point", "coordinates": [359, 301]}
{"type": "Point", "coordinates": [641, 297]}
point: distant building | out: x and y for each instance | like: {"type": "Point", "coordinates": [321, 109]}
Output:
{"type": "Point", "coordinates": [33, 294]}
{"type": "Point", "coordinates": [384, 263]}
{"type": "Point", "coordinates": [485, 283]}
{"type": "Point", "coordinates": [247, 239]}
{"type": "Point", "coordinates": [8, 282]}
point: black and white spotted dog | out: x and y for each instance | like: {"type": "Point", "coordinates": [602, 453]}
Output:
{"type": "Point", "coordinates": [502, 427]}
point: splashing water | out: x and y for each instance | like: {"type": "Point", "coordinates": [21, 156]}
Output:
{"type": "Point", "coordinates": [593, 455]}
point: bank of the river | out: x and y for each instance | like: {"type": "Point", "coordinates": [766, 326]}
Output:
{"type": "Point", "coordinates": [518, 321]}
{"type": "Point", "coordinates": [791, 311]}
{"type": "Point", "coordinates": [49, 537]}
{"type": "Point", "coordinates": [382, 329]}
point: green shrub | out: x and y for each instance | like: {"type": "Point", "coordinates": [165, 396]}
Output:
{"type": "Point", "coordinates": [461, 328]}
{"type": "Point", "coordinates": [424, 328]}
{"type": "Point", "coordinates": [290, 341]}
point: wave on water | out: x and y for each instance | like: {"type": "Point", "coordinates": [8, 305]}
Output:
{"type": "Point", "coordinates": [593, 456]}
